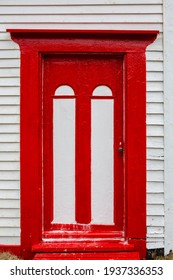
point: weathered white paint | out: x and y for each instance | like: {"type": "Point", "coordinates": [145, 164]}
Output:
{"type": "Point", "coordinates": [102, 163]}
{"type": "Point", "coordinates": [168, 103]}
{"type": "Point", "coordinates": [102, 91]}
{"type": "Point", "coordinates": [101, 157]}
{"type": "Point", "coordinates": [64, 159]}
{"type": "Point", "coordinates": [98, 14]}
{"type": "Point", "coordinates": [64, 90]}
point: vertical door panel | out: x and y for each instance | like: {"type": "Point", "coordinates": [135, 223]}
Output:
{"type": "Point", "coordinates": [64, 160]}
{"type": "Point", "coordinates": [102, 162]}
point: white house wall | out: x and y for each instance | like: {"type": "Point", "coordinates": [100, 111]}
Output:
{"type": "Point", "coordinates": [78, 14]}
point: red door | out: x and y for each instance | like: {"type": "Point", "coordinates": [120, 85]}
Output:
{"type": "Point", "coordinates": [83, 145]}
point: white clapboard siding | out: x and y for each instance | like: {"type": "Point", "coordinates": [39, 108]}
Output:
{"type": "Point", "coordinates": [9, 147]}
{"type": "Point", "coordinates": [10, 165]}
{"type": "Point", "coordinates": [9, 91]}
{"type": "Point", "coordinates": [77, 2]}
{"type": "Point", "coordinates": [156, 96]}
{"type": "Point", "coordinates": [8, 231]}
{"type": "Point", "coordinates": [10, 222]}
{"type": "Point", "coordinates": [155, 164]}
{"type": "Point", "coordinates": [154, 152]}
{"type": "Point", "coordinates": [10, 156]}
{"type": "Point", "coordinates": [80, 9]}
{"type": "Point", "coordinates": [12, 194]}
{"type": "Point", "coordinates": [155, 119]}
{"type": "Point", "coordinates": [84, 26]}
{"type": "Point", "coordinates": [78, 18]}
{"type": "Point", "coordinates": [9, 128]}
{"type": "Point", "coordinates": [14, 203]}
{"type": "Point", "coordinates": [9, 184]}
{"type": "Point", "coordinates": [14, 63]}
{"type": "Point", "coordinates": [10, 212]}
{"type": "Point", "coordinates": [9, 137]}
{"type": "Point", "coordinates": [8, 240]}
{"type": "Point", "coordinates": [7, 109]}
{"type": "Point", "coordinates": [155, 198]}
{"type": "Point", "coordinates": [10, 119]}
{"type": "Point", "coordinates": [78, 14]}
{"type": "Point", "coordinates": [155, 187]}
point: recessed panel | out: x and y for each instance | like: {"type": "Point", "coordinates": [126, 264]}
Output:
{"type": "Point", "coordinates": [64, 160]}
{"type": "Point", "coordinates": [102, 163]}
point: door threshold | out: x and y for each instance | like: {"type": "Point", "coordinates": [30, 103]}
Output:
{"type": "Point", "coordinates": [65, 246]}
{"type": "Point", "coordinates": [56, 234]}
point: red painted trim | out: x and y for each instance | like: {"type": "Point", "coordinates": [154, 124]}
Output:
{"type": "Point", "coordinates": [114, 41]}
{"type": "Point", "coordinates": [13, 249]}
{"type": "Point", "coordinates": [34, 44]}
{"type": "Point", "coordinates": [140, 246]}
{"type": "Point", "coordinates": [30, 152]}
{"type": "Point", "coordinates": [135, 145]}
{"type": "Point", "coordinates": [42, 32]}
{"type": "Point", "coordinates": [88, 256]}
{"type": "Point", "coordinates": [81, 227]}
{"type": "Point", "coordinates": [119, 192]}
{"type": "Point", "coordinates": [83, 159]}
{"type": "Point", "coordinates": [95, 233]}
{"type": "Point", "coordinates": [49, 91]}
{"type": "Point", "coordinates": [102, 97]}
{"type": "Point", "coordinates": [63, 96]}
{"type": "Point", "coordinates": [86, 245]}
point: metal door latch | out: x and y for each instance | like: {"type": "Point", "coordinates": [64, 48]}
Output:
{"type": "Point", "coordinates": [120, 148]}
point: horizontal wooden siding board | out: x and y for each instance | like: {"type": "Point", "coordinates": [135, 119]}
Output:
{"type": "Point", "coordinates": [77, 2]}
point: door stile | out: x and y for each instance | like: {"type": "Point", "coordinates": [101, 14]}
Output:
{"type": "Point", "coordinates": [30, 151]}
{"type": "Point", "coordinates": [135, 150]}
{"type": "Point", "coordinates": [83, 159]}
{"type": "Point", "coordinates": [119, 192]}
{"type": "Point", "coordinates": [47, 152]}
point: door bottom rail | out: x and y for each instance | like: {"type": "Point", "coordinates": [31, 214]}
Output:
{"type": "Point", "coordinates": [87, 234]}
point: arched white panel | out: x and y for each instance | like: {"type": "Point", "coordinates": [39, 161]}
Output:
{"type": "Point", "coordinates": [64, 90]}
{"type": "Point", "coordinates": [102, 160]}
{"type": "Point", "coordinates": [64, 157]}
{"type": "Point", "coordinates": [102, 91]}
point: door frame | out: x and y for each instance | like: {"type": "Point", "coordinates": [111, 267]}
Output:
{"type": "Point", "coordinates": [33, 45]}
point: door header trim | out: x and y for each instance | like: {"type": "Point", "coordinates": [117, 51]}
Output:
{"type": "Point", "coordinates": [114, 40]}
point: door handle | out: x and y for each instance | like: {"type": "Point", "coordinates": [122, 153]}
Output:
{"type": "Point", "coordinates": [120, 148]}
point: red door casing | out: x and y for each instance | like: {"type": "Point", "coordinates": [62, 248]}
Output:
{"type": "Point", "coordinates": [63, 164]}
{"type": "Point", "coordinates": [82, 172]}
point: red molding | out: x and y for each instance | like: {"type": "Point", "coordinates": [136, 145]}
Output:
{"type": "Point", "coordinates": [115, 41]}
{"type": "Point", "coordinates": [89, 256]}
{"type": "Point", "coordinates": [64, 31]}
{"type": "Point", "coordinates": [13, 249]}
{"type": "Point", "coordinates": [131, 45]}
{"type": "Point", "coordinates": [83, 160]}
